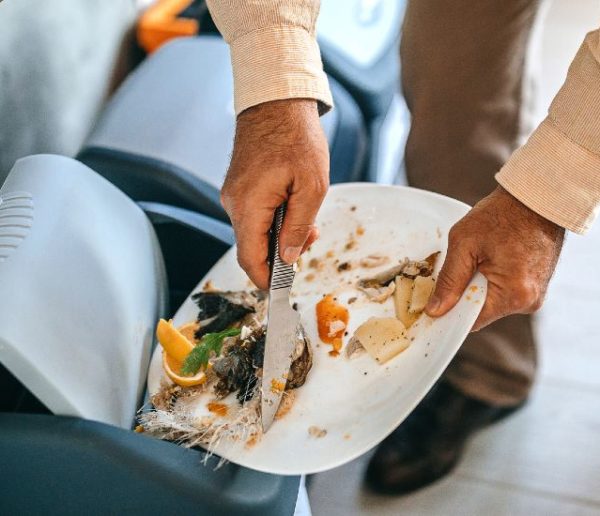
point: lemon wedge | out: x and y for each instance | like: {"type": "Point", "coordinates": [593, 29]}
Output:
{"type": "Point", "coordinates": [188, 330]}
{"type": "Point", "coordinates": [177, 344]}
{"type": "Point", "coordinates": [172, 368]}
{"type": "Point", "coordinates": [173, 341]}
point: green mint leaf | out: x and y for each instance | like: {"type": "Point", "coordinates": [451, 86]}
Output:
{"type": "Point", "coordinates": [210, 343]}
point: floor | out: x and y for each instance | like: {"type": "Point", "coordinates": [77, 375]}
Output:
{"type": "Point", "coordinates": [546, 459]}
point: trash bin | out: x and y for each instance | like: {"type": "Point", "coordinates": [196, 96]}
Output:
{"type": "Point", "coordinates": [82, 285]}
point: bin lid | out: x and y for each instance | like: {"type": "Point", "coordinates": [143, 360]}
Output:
{"type": "Point", "coordinates": [81, 287]}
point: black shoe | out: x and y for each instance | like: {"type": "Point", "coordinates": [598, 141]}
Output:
{"type": "Point", "coordinates": [430, 442]}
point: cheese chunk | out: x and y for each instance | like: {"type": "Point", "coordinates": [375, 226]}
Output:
{"type": "Point", "coordinates": [402, 297]}
{"type": "Point", "coordinates": [382, 337]}
{"type": "Point", "coordinates": [422, 290]}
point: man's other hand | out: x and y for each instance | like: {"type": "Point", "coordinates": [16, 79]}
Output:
{"type": "Point", "coordinates": [280, 153]}
{"type": "Point", "coordinates": [513, 247]}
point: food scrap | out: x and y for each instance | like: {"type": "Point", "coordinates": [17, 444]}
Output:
{"type": "Point", "coordinates": [332, 319]}
{"type": "Point", "coordinates": [402, 298]}
{"type": "Point", "coordinates": [411, 283]}
{"type": "Point", "coordinates": [354, 348]}
{"type": "Point", "coordinates": [173, 341]}
{"type": "Point", "coordinates": [421, 292]}
{"type": "Point", "coordinates": [252, 440]}
{"type": "Point", "coordinates": [382, 337]}
{"type": "Point", "coordinates": [226, 360]}
{"type": "Point", "coordinates": [373, 260]}
{"type": "Point", "coordinates": [287, 400]}
{"type": "Point", "coordinates": [316, 432]}
{"type": "Point", "coordinates": [414, 289]}
{"type": "Point", "coordinates": [277, 386]}
{"type": "Point", "coordinates": [176, 349]}
{"type": "Point", "coordinates": [344, 266]}
{"type": "Point", "coordinates": [218, 311]}
{"type": "Point", "coordinates": [219, 409]}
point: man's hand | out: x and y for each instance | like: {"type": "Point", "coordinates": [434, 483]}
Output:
{"type": "Point", "coordinates": [280, 153]}
{"type": "Point", "coordinates": [513, 247]}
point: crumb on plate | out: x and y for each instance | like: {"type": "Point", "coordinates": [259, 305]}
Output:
{"type": "Point", "coordinates": [315, 431]}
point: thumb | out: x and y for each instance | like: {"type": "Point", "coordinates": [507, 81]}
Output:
{"type": "Point", "coordinates": [298, 224]}
{"type": "Point", "coordinates": [455, 275]}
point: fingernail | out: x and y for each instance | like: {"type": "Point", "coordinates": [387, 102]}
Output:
{"type": "Point", "coordinates": [433, 305]}
{"type": "Point", "coordinates": [291, 254]}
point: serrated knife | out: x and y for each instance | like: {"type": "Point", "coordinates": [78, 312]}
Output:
{"type": "Point", "coordinates": [282, 327]}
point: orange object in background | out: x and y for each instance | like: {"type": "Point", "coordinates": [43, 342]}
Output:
{"type": "Point", "coordinates": [168, 19]}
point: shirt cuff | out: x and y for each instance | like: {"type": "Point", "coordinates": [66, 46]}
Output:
{"type": "Point", "coordinates": [278, 63]}
{"type": "Point", "coordinates": [555, 177]}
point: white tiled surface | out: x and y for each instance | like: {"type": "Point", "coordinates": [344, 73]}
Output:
{"type": "Point", "coordinates": [546, 459]}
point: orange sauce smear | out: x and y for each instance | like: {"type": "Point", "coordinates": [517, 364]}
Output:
{"type": "Point", "coordinates": [329, 311]}
{"type": "Point", "coordinates": [252, 440]}
{"type": "Point", "coordinates": [277, 386]}
{"type": "Point", "coordinates": [220, 409]}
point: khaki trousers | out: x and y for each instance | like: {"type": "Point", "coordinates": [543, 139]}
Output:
{"type": "Point", "coordinates": [464, 78]}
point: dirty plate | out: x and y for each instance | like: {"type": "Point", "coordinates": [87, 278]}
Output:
{"type": "Point", "coordinates": [355, 401]}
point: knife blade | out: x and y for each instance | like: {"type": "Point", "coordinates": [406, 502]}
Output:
{"type": "Point", "coordinates": [282, 326]}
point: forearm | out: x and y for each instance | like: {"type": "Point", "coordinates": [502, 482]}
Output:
{"type": "Point", "coordinates": [557, 172]}
{"type": "Point", "coordinates": [274, 52]}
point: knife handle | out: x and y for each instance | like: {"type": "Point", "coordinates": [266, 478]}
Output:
{"type": "Point", "coordinates": [282, 274]}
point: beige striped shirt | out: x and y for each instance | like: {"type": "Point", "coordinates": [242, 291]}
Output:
{"type": "Point", "coordinates": [275, 56]}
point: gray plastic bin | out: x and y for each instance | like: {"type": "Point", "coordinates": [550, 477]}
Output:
{"type": "Point", "coordinates": [81, 287]}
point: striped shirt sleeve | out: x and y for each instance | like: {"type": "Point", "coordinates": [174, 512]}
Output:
{"type": "Point", "coordinates": [274, 51]}
{"type": "Point", "coordinates": [557, 172]}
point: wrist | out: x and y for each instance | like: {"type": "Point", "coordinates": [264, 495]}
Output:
{"type": "Point", "coordinates": [278, 109]}
{"type": "Point", "coordinates": [278, 128]}
{"type": "Point", "coordinates": [522, 212]}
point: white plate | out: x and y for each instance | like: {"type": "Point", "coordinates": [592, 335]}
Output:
{"type": "Point", "coordinates": [356, 400]}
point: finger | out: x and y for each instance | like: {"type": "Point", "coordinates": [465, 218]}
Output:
{"type": "Point", "coordinates": [303, 205]}
{"type": "Point", "coordinates": [506, 295]}
{"type": "Point", "coordinates": [456, 273]}
{"type": "Point", "coordinates": [486, 316]}
{"type": "Point", "coordinates": [492, 310]}
{"type": "Point", "coordinates": [313, 236]}
{"type": "Point", "coordinates": [252, 237]}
